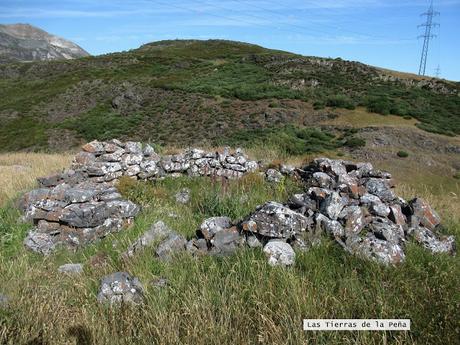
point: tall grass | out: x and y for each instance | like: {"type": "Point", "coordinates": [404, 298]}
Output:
{"type": "Point", "coordinates": [18, 171]}
{"type": "Point", "coordinates": [238, 299]}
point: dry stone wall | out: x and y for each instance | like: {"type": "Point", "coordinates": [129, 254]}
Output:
{"type": "Point", "coordinates": [82, 204]}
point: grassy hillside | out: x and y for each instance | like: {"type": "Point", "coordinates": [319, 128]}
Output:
{"type": "Point", "coordinates": [207, 92]}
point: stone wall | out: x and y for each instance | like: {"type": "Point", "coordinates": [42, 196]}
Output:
{"type": "Point", "coordinates": [82, 204]}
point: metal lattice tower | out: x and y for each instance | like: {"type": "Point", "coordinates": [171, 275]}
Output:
{"type": "Point", "coordinates": [427, 36]}
{"type": "Point", "coordinates": [437, 71]}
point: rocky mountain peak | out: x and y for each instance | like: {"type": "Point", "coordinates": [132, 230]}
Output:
{"type": "Point", "coordinates": [24, 42]}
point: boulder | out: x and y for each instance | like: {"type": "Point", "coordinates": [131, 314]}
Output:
{"type": "Point", "coordinates": [197, 246]}
{"type": "Point", "coordinates": [375, 249]}
{"type": "Point", "coordinates": [332, 205]}
{"type": "Point", "coordinates": [277, 221]}
{"type": "Point", "coordinates": [354, 220]}
{"type": "Point", "coordinates": [120, 287]}
{"type": "Point", "coordinates": [279, 253]}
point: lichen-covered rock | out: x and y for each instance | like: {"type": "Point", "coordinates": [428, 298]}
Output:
{"type": "Point", "coordinates": [375, 249]}
{"type": "Point", "coordinates": [279, 253]}
{"type": "Point", "coordinates": [434, 243]}
{"type": "Point", "coordinates": [273, 175]}
{"type": "Point", "coordinates": [40, 242]}
{"type": "Point", "coordinates": [212, 225]}
{"type": "Point", "coordinates": [120, 287]}
{"type": "Point", "coordinates": [333, 205]}
{"type": "Point", "coordinates": [424, 213]}
{"type": "Point", "coordinates": [276, 220]}
{"type": "Point", "coordinates": [156, 233]}
{"type": "Point", "coordinates": [183, 196]}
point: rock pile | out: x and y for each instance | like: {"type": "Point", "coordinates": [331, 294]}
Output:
{"type": "Point", "coordinates": [82, 204]}
{"type": "Point", "coordinates": [357, 206]}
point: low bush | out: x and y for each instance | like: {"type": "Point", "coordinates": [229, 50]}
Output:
{"type": "Point", "coordinates": [402, 154]}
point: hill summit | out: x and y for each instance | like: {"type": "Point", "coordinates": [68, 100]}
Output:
{"type": "Point", "coordinates": [24, 42]}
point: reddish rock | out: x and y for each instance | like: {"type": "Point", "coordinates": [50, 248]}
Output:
{"type": "Point", "coordinates": [424, 213]}
{"type": "Point", "coordinates": [396, 215]}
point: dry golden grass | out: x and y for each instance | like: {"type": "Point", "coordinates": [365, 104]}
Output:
{"type": "Point", "coordinates": [359, 118]}
{"type": "Point", "coordinates": [18, 171]}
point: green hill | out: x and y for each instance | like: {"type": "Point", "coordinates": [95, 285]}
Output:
{"type": "Point", "coordinates": [202, 92]}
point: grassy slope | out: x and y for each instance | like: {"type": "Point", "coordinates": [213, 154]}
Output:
{"type": "Point", "coordinates": [239, 299]}
{"type": "Point", "coordinates": [191, 91]}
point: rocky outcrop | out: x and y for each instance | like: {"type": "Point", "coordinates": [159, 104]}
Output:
{"type": "Point", "coordinates": [82, 204]}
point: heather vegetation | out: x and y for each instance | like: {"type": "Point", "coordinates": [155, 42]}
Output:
{"type": "Point", "coordinates": [156, 85]}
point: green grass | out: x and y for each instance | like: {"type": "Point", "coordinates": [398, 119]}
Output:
{"type": "Point", "coordinates": [237, 299]}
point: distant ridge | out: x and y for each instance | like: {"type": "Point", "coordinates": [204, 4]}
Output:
{"type": "Point", "coordinates": [24, 42]}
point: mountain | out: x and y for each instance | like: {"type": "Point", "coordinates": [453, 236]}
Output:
{"type": "Point", "coordinates": [24, 42]}
{"type": "Point", "coordinates": [209, 92]}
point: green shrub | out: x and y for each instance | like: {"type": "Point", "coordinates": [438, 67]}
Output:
{"type": "Point", "coordinates": [402, 154]}
{"type": "Point", "coordinates": [380, 105]}
{"type": "Point", "coordinates": [457, 175]}
{"type": "Point", "coordinates": [340, 101]}
{"type": "Point", "coordinates": [354, 142]}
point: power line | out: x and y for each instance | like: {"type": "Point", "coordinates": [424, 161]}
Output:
{"type": "Point", "coordinates": [427, 36]}
{"type": "Point", "coordinates": [322, 24]}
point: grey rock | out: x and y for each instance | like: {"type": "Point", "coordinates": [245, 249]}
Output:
{"type": "Point", "coordinates": [172, 245]}
{"type": "Point", "coordinates": [197, 246]}
{"type": "Point", "coordinates": [331, 227]}
{"type": "Point", "coordinates": [156, 233]}
{"type": "Point", "coordinates": [385, 229]}
{"type": "Point", "coordinates": [354, 220]}
{"type": "Point", "coordinates": [333, 205]}
{"type": "Point", "coordinates": [375, 249]}
{"type": "Point", "coordinates": [40, 242]}
{"type": "Point", "coordinates": [120, 287]}
{"type": "Point", "coordinates": [211, 226]}
{"type": "Point", "coordinates": [71, 268]}
{"type": "Point", "coordinates": [133, 147]}
{"type": "Point", "coordinates": [273, 175]}
{"type": "Point", "coordinates": [433, 242]}
{"type": "Point", "coordinates": [287, 170]}
{"type": "Point", "coordinates": [279, 253]}
{"type": "Point", "coordinates": [277, 221]}
{"type": "Point", "coordinates": [322, 180]}
{"type": "Point", "coordinates": [226, 241]}
{"type": "Point", "coordinates": [78, 195]}
{"type": "Point", "coordinates": [253, 242]}
{"type": "Point", "coordinates": [380, 188]}
{"type": "Point", "coordinates": [183, 196]}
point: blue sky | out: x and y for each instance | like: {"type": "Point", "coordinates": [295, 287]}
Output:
{"type": "Point", "coordinates": [376, 32]}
